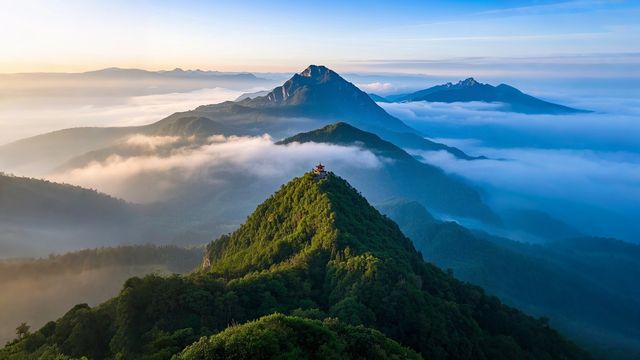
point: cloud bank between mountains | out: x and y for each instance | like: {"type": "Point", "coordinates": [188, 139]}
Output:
{"type": "Point", "coordinates": [27, 116]}
{"type": "Point", "coordinates": [583, 167]}
{"type": "Point", "coordinates": [148, 178]}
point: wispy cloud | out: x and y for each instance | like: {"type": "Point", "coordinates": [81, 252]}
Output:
{"type": "Point", "coordinates": [594, 65]}
{"type": "Point", "coordinates": [564, 6]}
{"type": "Point", "coordinates": [378, 87]}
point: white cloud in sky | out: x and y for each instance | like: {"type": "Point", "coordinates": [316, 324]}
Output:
{"type": "Point", "coordinates": [377, 87]}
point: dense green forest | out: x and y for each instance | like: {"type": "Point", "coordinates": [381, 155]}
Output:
{"type": "Point", "coordinates": [570, 281]}
{"type": "Point", "coordinates": [317, 250]}
{"type": "Point", "coordinates": [289, 337]}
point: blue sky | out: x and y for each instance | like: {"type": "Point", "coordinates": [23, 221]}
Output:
{"type": "Point", "coordinates": [76, 35]}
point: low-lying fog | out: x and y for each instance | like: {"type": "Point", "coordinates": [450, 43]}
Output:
{"type": "Point", "coordinates": [582, 168]}
{"type": "Point", "coordinates": [32, 104]}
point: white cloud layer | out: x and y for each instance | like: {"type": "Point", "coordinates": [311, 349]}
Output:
{"type": "Point", "coordinates": [150, 177]}
{"type": "Point", "coordinates": [612, 126]}
{"type": "Point", "coordinates": [583, 168]}
{"type": "Point", "coordinates": [27, 116]}
{"type": "Point", "coordinates": [599, 179]}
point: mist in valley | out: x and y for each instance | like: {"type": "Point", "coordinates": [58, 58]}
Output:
{"type": "Point", "coordinates": [44, 289]}
{"type": "Point", "coordinates": [546, 177]}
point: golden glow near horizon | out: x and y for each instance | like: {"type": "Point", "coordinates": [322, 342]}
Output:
{"type": "Point", "coordinates": [76, 35]}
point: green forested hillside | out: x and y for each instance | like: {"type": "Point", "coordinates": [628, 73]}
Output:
{"type": "Point", "coordinates": [568, 281]}
{"type": "Point", "coordinates": [289, 337]}
{"type": "Point", "coordinates": [315, 249]}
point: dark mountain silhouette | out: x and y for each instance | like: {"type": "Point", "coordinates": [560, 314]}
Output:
{"type": "Point", "coordinates": [403, 175]}
{"type": "Point", "coordinates": [470, 90]}
{"type": "Point", "coordinates": [315, 249]}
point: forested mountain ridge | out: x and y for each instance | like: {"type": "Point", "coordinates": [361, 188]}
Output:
{"type": "Point", "coordinates": [314, 249]}
{"type": "Point", "coordinates": [568, 281]}
{"type": "Point", "coordinates": [293, 337]}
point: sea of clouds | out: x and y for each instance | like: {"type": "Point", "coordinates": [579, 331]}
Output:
{"type": "Point", "coordinates": [582, 168]}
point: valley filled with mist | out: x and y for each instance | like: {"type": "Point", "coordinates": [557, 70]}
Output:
{"type": "Point", "coordinates": [134, 180]}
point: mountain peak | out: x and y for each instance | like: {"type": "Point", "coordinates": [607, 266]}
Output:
{"type": "Point", "coordinates": [468, 82]}
{"type": "Point", "coordinates": [315, 71]}
{"type": "Point", "coordinates": [341, 133]}
{"type": "Point", "coordinates": [308, 214]}
{"type": "Point", "coordinates": [319, 92]}
{"type": "Point", "coordinates": [507, 97]}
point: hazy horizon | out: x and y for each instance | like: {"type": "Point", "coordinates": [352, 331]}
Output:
{"type": "Point", "coordinates": [284, 36]}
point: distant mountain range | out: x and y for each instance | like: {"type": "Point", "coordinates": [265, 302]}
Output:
{"type": "Point", "coordinates": [134, 74]}
{"type": "Point", "coordinates": [467, 90]}
{"type": "Point", "coordinates": [314, 98]}
{"type": "Point", "coordinates": [118, 83]}
{"type": "Point", "coordinates": [308, 101]}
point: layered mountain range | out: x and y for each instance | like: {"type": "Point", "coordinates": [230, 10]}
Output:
{"type": "Point", "coordinates": [568, 280]}
{"type": "Point", "coordinates": [315, 250]}
{"type": "Point", "coordinates": [314, 98]}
